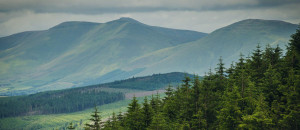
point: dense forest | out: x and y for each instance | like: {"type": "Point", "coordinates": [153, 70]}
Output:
{"type": "Point", "coordinates": [77, 99]}
{"type": "Point", "coordinates": [60, 101]}
{"type": "Point", "coordinates": [257, 92]}
{"type": "Point", "coordinates": [148, 83]}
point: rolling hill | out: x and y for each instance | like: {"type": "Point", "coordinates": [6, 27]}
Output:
{"type": "Point", "coordinates": [75, 54]}
{"type": "Point", "coordinates": [228, 42]}
{"type": "Point", "coordinates": [80, 53]}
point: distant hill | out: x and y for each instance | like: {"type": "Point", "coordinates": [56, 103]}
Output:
{"type": "Point", "coordinates": [77, 99]}
{"type": "Point", "coordinates": [228, 42]}
{"type": "Point", "coordinates": [74, 54]}
{"type": "Point", "coordinates": [80, 53]}
{"type": "Point", "coordinates": [148, 83]}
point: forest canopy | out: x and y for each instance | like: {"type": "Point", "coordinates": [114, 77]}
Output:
{"type": "Point", "coordinates": [257, 92]}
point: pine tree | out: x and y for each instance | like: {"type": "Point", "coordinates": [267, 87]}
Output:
{"type": "Point", "coordinates": [170, 108]}
{"type": "Point", "coordinates": [271, 83]}
{"type": "Point", "coordinates": [112, 123]}
{"type": "Point", "coordinates": [71, 127]}
{"type": "Point", "coordinates": [169, 92]}
{"type": "Point", "coordinates": [256, 66]}
{"type": "Point", "coordinates": [158, 122]}
{"type": "Point", "coordinates": [185, 91]}
{"type": "Point", "coordinates": [293, 51]}
{"type": "Point", "coordinates": [96, 120]}
{"type": "Point", "coordinates": [291, 90]}
{"type": "Point", "coordinates": [120, 116]}
{"type": "Point", "coordinates": [261, 117]}
{"type": "Point", "coordinates": [147, 113]}
{"type": "Point", "coordinates": [108, 124]}
{"type": "Point", "coordinates": [208, 99]}
{"type": "Point", "coordinates": [198, 122]}
{"type": "Point", "coordinates": [220, 69]}
{"type": "Point", "coordinates": [195, 95]}
{"type": "Point", "coordinates": [133, 119]}
{"type": "Point", "coordinates": [230, 115]}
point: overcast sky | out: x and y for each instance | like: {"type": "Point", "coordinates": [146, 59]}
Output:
{"type": "Point", "coordinates": [199, 15]}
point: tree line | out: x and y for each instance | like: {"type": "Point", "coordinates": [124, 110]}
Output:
{"type": "Point", "coordinates": [257, 92]}
{"type": "Point", "coordinates": [52, 102]}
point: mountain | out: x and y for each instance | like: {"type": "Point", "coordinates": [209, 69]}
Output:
{"type": "Point", "coordinates": [228, 42]}
{"type": "Point", "coordinates": [74, 54]}
{"type": "Point", "coordinates": [80, 53]}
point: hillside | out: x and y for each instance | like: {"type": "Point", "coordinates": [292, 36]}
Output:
{"type": "Point", "coordinates": [260, 92]}
{"type": "Point", "coordinates": [78, 99]}
{"type": "Point", "coordinates": [228, 42]}
{"type": "Point", "coordinates": [74, 54]}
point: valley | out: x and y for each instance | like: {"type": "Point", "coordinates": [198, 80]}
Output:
{"type": "Point", "coordinates": [52, 77]}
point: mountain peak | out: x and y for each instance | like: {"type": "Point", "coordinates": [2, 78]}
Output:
{"type": "Point", "coordinates": [73, 24]}
{"type": "Point", "coordinates": [261, 22]}
{"type": "Point", "coordinates": [126, 20]}
{"type": "Point", "coordinates": [258, 25]}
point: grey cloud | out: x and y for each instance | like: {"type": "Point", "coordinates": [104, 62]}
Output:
{"type": "Point", "coordinates": [123, 6]}
{"type": "Point", "coordinates": [200, 15]}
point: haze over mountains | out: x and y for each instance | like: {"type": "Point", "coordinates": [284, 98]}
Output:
{"type": "Point", "coordinates": [82, 53]}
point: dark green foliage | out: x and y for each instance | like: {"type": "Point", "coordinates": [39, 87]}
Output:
{"type": "Point", "coordinates": [95, 123]}
{"type": "Point", "coordinates": [71, 127]}
{"type": "Point", "coordinates": [76, 99]}
{"type": "Point", "coordinates": [154, 82]}
{"type": "Point", "coordinates": [133, 118]}
{"type": "Point", "coordinates": [147, 113]}
{"type": "Point", "coordinates": [111, 123]}
{"type": "Point", "coordinates": [61, 101]}
{"type": "Point", "coordinates": [259, 92]}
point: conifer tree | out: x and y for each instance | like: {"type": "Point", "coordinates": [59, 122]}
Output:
{"type": "Point", "coordinates": [271, 83]}
{"type": "Point", "coordinates": [169, 92]}
{"type": "Point", "coordinates": [230, 115]}
{"type": "Point", "coordinates": [95, 121]}
{"type": "Point", "coordinates": [158, 122]}
{"type": "Point", "coordinates": [111, 123]}
{"type": "Point", "coordinates": [220, 69]}
{"type": "Point", "coordinates": [208, 99]}
{"type": "Point", "coordinates": [293, 51]}
{"type": "Point", "coordinates": [147, 113]}
{"type": "Point", "coordinates": [256, 66]}
{"type": "Point", "coordinates": [184, 95]}
{"type": "Point", "coordinates": [291, 90]}
{"type": "Point", "coordinates": [195, 95]}
{"type": "Point", "coordinates": [71, 127]}
{"type": "Point", "coordinates": [133, 119]}
{"type": "Point", "coordinates": [261, 117]}
{"type": "Point", "coordinates": [170, 108]}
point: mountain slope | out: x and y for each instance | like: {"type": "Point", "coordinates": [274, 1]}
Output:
{"type": "Point", "coordinates": [80, 53]}
{"type": "Point", "coordinates": [228, 42]}
{"type": "Point", "coordinates": [78, 99]}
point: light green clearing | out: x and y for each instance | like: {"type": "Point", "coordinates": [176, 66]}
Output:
{"type": "Point", "coordinates": [58, 121]}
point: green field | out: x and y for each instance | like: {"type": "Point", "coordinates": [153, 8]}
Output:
{"type": "Point", "coordinates": [59, 121]}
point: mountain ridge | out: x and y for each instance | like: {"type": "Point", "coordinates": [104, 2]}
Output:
{"type": "Point", "coordinates": [72, 53]}
{"type": "Point", "coordinates": [227, 42]}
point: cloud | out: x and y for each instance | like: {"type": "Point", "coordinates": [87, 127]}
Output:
{"type": "Point", "coordinates": [200, 15]}
{"type": "Point", "coordinates": [121, 6]}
